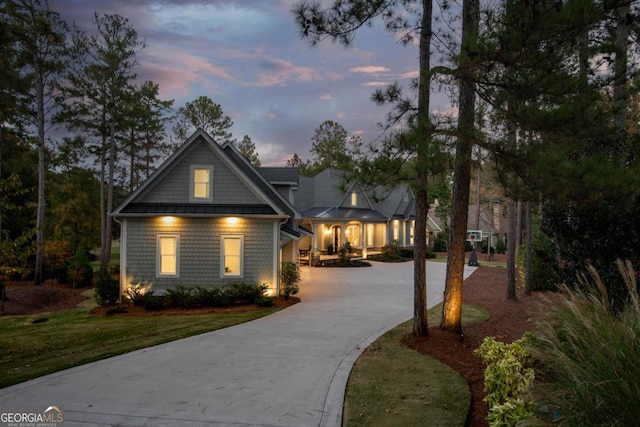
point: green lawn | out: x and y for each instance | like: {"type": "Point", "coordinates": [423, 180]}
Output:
{"type": "Point", "coordinates": [32, 346]}
{"type": "Point", "coordinates": [393, 385]}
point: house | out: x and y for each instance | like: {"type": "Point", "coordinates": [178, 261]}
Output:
{"type": "Point", "coordinates": [206, 217]}
{"type": "Point", "coordinates": [337, 212]}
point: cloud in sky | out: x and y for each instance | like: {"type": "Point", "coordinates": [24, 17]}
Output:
{"type": "Point", "coordinates": [248, 57]}
{"type": "Point", "coordinates": [369, 70]}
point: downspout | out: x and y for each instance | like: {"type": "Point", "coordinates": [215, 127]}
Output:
{"type": "Point", "coordinates": [276, 258]}
{"type": "Point", "coordinates": [123, 254]}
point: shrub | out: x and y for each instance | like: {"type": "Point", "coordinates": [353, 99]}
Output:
{"type": "Point", "coordinates": [344, 252]}
{"type": "Point", "coordinates": [242, 293]}
{"type": "Point", "coordinates": [440, 244]}
{"type": "Point", "coordinates": [135, 294]}
{"type": "Point", "coordinates": [391, 252]}
{"type": "Point", "coordinates": [543, 276]}
{"type": "Point", "coordinates": [153, 302]}
{"type": "Point", "coordinates": [588, 354]}
{"type": "Point", "coordinates": [501, 246]}
{"type": "Point", "coordinates": [210, 296]}
{"type": "Point", "coordinates": [107, 290]}
{"type": "Point", "coordinates": [290, 276]}
{"type": "Point", "coordinates": [181, 296]}
{"type": "Point", "coordinates": [507, 380]}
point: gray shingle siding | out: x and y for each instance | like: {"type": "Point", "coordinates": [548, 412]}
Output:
{"type": "Point", "coordinates": [199, 252]}
{"type": "Point", "coordinates": [226, 186]}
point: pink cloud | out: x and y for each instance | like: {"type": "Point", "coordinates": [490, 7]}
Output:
{"type": "Point", "coordinates": [374, 84]}
{"type": "Point", "coordinates": [369, 70]}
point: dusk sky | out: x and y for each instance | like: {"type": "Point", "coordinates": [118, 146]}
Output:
{"type": "Point", "coordinates": [247, 56]}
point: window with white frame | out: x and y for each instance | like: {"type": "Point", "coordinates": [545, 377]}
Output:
{"type": "Point", "coordinates": [396, 231]}
{"type": "Point", "coordinates": [354, 199]}
{"type": "Point", "coordinates": [353, 234]}
{"type": "Point", "coordinates": [201, 177]}
{"type": "Point", "coordinates": [370, 234]}
{"type": "Point", "coordinates": [168, 247]}
{"type": "Point", "coordinates": [411, 233]}
{"type": "Point", "coordinates": [232, 255]}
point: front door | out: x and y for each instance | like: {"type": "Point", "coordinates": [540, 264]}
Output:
{"type": "Point", "coordinates": [337, 231]}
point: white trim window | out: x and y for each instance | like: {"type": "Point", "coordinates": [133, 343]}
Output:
{"type": "Point", "coordinates": [370, 234]}
{"type": "Point", "coordinates": [232, 255]}
{"type": "Point", "coordinates": [168, 255]}
{"type": "Point", "coordinates": [200, 183]}
{"type": "Point", "coordinates": [411, 233]}
{"type": "Point", "coordinates": [353, 235]}
{"type": "Point", "coordinates": [354, 199]}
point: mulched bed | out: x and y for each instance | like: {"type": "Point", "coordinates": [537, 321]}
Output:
{"type": "Point", "coordinates": [485, 288]}
{"type": "Point", "coordinates": [131, 310]}
{"type": "Point", "coordinates": [24, 298]}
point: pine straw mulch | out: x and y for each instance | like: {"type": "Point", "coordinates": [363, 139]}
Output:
{"type": "Point", "coordinates": [485, 288]}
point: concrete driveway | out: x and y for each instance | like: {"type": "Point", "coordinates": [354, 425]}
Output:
{"type": "Point", "coordinates": [287, 369]}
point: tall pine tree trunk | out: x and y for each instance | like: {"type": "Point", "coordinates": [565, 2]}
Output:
{"type": "Point", "coordinates": [529, 249]}
{"type": "Point", "coordinates": [620, 93]}
{"type": "Point", "coordinates": [104, 259]}
{"type": "Point", "coordinates": [420, 325]}
{"type": "Point", "coordinates": [511, 248]}
{"type": "Point", "coordinates": [452, 306]}
{"type": "Point", "coordinates": [40, 215]}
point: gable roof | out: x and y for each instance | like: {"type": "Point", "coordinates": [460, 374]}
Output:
{"type": "Point", "coordinates": [259, 180]}
{"type": "Point", "coordinates": [281, 175]}
{"type": "Point", "coordinates": [272, 203]}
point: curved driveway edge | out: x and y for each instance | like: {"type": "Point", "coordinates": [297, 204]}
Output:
{"type": "Point", "coordinates": [286, 369]}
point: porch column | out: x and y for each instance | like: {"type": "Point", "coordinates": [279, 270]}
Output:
{"type": "Point", "coordinates": [363, 236]}
{"type": "Point", "coordinates": [314, 238]}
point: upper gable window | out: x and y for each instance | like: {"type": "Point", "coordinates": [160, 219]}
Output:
{"type": "Point", "coordinates": [354, 199]}
{"type": "Point", "coordinates": [200, 190]}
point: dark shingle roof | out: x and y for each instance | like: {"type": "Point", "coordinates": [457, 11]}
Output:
{"type": "Point", "coordinates": [280, 174]}
{"type": "Point", "coordinates": [343, 213]}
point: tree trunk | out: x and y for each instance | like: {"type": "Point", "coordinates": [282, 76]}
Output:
{"type": "Point", "coordinates": [452, 306]}
{"type": "Point", "coordinates": [40, 215]}
{"type": "Point", "coordinates": [1, 146]}
{"type": "Point", "coordinates": [620, 93]}
{"type": "Point", "coordinates": [478, 193]}
{"type": "Point", "coordinates": [109, 207]}
{"type": "Point", "coordinates": [518, 225]}
{"type": "Point", "coordinates": [528, 224]}
{"type": "Point", "coordinates": [104, 260]}
{"type": "Point", "coordinates": [420, 324]}
{"type": "Point", "coordinates": [511, 249]}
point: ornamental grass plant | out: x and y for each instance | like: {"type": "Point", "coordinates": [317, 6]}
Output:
{"type": "Point", "coordinates": [588, 355]}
